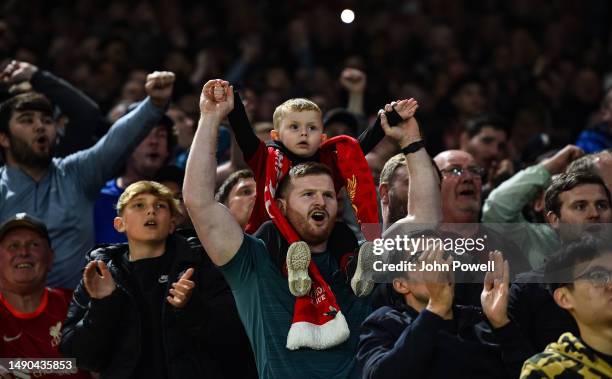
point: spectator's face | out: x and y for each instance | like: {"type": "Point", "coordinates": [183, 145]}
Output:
{"type": "Point", "coordinates": [311, 207]}
{"type": "Point", "coordinates": [146, 219]}
{"type": "Point", "coordinates": [183, 127]}
{"type": "Point", "coordinates": [460, 193]}
{"type": "Point", "coordinates": [487, 147]}
{"type": "Point", "coordinates": [31, 140]}
{"type": "Point", "coordinates": [470, 101]}
{"type": "Point", "coordinates": [25, 260]}
{"type": "Point", "coordinates": [583, 204]}
{"type": "Point", "coordinates": [151, 154]}
{"type": "Point", "coordinates": [589, 301]}
{"type": "Point", "coordinates": [241, 200]}
{"type": "Point", "coordinates": [398, 195]}
{"type": "Point", "coordinates": [301, 132]}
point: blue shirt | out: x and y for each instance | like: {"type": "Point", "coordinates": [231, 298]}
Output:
{"type": "Point", "coordinates": [105, 213]}
{"type": "Point", "coordinates": [265, 306]}
{"type": "Point", "coordinates": [64, 197]}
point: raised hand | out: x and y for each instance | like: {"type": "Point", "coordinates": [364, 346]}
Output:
{"type": "Point", "coordinates": [159, 86]}
{"type": "Point", "coordinates": [439, 283]}
{"type": "Point", "coordinates": [407, 131]}
{"type": "Point", "coordinates": [17, 72]}
{"type": "Point", "coordinates": [558, 162]}
{"type": "Point", "coordinates": [100, 285]}
{"type": "Point", "coordinates": [353, 80]}
{"type": "Point", "coordinates": [217, 98]}
{"type": "Point", "coordinates": [180, 293]}
{"type": "Point", "coordinates": [495, 292]}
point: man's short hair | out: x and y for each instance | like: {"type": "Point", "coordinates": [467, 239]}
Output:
{"type": "Point", "coordinates": [292, 105]}
{"type": "Point", "coordinates": [29, 101]}
{"type": "Point", "coordinates": [388, 171]}
{"type": "Point", "coordinates": [566, 182]}
{"type": "Point", "coordinates": [487, 120]}
{"type": "Point", "coordinates": [559, 268]}
{"type": "Point", "coordinates": [223, 193]}
{"type": "Point", "coordinates": [148, 187]}
{"type": "Point", "coordinates": [584, 163]}
{"type": "Point", "coordinates": [300, 171]}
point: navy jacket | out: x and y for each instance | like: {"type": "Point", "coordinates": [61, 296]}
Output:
{"type": "Point", "coordinates": [402, 343]}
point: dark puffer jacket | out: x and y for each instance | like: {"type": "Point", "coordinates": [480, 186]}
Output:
{"type": "Point", "coordinates": [105, 335]}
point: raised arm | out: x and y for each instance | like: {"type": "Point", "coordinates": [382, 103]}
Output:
{"type": "Point", "coordinates": [424, 202]}
{"type": "Point", "coordinates": [506, 202]}
{"type": "Point", "coordinates": [101, 162]}
{"type": "Point", "coordinates": [219, 232]}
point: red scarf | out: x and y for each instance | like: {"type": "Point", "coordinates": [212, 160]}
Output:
{"type": "Point", "coordinates": [318, 322]}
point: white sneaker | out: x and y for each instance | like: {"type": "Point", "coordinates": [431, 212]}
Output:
{"type": "Point", "coordinates": [298, 259]}
{"type": "Point", "coordinates": [362, 281]}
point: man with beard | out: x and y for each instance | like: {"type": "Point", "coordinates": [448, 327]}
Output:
{"type": "Point", "coordinates": [146, 159]}
{"type": "Point", "coordinates": [328, 317]}
{"type": "Point", "coordinates": [61, 191]}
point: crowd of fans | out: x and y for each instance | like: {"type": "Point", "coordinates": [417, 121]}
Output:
{"type": "Point", "coordinates": [296, 138]}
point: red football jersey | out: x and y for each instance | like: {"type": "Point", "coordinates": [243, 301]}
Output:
{"type": "Point", "coordinates": [36, 334]}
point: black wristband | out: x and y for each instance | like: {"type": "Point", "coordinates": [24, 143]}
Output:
{"type": "Point", "coordinates": [413, 147]}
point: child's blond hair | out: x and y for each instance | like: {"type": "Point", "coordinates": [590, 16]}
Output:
{"type": "Point", "coordinates": [149, 187]}
{"type": "Point", "coordinates": [293, 105]}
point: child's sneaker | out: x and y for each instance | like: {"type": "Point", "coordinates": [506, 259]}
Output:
{"type": "Point", "coordinates": [362, 281]}
{"type": "Point", "coordinates": [298, 259]}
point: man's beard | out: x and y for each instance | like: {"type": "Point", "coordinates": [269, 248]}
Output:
{"type": "Point", "coordinates": [306, 231]}
{"type": "Point", "coordinates": [24, 155]}
{"type": "Point", "coordinates": [398, 209]}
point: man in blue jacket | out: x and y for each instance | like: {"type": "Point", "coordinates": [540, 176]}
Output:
{"type": "Point", "coordinates": [61, 191]}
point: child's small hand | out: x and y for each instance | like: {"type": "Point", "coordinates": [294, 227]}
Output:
{"type": "Point", "coordinates": [406, 108]}
{"type": "Point", "coordinates": [407, 131]}
{"type": "Point", "coordinates": [181, 290]}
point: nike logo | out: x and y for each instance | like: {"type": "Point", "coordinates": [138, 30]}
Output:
{"type": "Point", "coordinates": [163, 279]}
{"type": "Point", "coordinates": [9, 339]}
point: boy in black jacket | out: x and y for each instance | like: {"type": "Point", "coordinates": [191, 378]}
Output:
{"type": "Point", "coordinates": [140, 306]}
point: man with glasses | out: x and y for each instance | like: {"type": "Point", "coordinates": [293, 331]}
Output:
{"type": "Point", "coordinates": [461, 191]}
{"type": "Point", "coordinates": [581, 283]}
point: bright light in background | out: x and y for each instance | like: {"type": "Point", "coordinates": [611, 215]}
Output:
{"type": "Point", "coordinates": [347, 16]}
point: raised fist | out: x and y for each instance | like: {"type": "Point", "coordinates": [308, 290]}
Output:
{"type": "Point", "coordinates": [17, 72]}
{"type": "Point", "coordinates": [159, 86]}
{"type": "Point", "coordinates": [217, 98]}
{"type": "Point", "coordinates": [353, 80]}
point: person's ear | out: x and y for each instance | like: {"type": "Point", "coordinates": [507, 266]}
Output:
{"type": "Point", "coordinates": [282, 206]}
{"type": "Point", "coordinates": [4, 141]}
{"type": "Point", "coordinates": [563, 298]}
{"type": "Point", "coordinates": [119, 225]}
{"type": "Point", "coordinates": [463, 140]}
{"type": "Point", "coordinates": [383, 189]}
{"type": "Point", "coordinates": [400, 285]}
{"type": "Point", "coordinates": [323, 137]}
{"type": "Point", "coordinates": [274, 134]}
{"type": "Point", "coordinates": [552, 219]}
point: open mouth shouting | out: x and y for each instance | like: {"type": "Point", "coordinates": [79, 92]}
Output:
{"type": "Point", "coordinates": [319, 216]}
